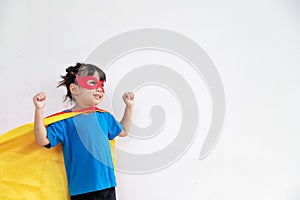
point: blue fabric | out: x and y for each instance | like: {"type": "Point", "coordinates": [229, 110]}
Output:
{"type": "Point", "coordinates": [86, 150]}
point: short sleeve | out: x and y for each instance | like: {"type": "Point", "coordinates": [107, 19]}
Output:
{"type": "Point", "coordinates": [55, 133]}
{"type": "Point", "coordinates": [114, 127]}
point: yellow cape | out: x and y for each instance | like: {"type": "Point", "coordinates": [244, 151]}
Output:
{"type": "Point", "coordinates": [29, 171]}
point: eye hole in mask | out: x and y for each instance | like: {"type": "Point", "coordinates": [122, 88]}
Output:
{"type": "Point", "coordinates": [90, 82]}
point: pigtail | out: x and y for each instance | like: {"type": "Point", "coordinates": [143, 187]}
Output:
{"type": "Point", "coordinates": [68, 79]}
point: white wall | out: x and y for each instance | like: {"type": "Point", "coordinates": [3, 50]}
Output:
{"type": "Point", "coordinates": [254, 45]}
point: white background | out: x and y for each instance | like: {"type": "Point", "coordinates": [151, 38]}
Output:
{"type": "Point", "coordinates": [255, 46]}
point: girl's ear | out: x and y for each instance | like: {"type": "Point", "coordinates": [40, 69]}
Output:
{"type": "Point", "coordinates": [73, 89]}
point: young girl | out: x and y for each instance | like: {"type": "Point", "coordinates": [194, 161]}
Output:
{"type": "Point", "coordinates": [84, 138]}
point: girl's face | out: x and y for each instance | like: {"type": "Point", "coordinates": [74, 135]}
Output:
{"type": "Point", "coordinates": [90, 91]}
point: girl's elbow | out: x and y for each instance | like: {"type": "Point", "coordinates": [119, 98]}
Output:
{"type": "Point", "coordinates": [123, 134]}
{"type": "Point", "coordinates": [42, 142]}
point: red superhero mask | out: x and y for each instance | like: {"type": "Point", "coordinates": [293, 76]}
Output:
{"type": "Point", "coordinates": [89, 82]}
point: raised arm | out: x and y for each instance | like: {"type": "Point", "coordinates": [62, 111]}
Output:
{"type": "Point", "coordinates": [40, 131]}
{"type": "Point", "coordinates": [128, 99]}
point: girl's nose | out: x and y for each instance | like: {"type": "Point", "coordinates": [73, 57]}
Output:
{"type": "Point", "coordinates": [100, 88]}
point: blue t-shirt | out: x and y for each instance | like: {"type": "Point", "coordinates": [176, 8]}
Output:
{"type": "Point", "coordinates": [86, 150]}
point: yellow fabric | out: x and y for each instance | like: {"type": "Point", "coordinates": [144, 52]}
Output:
{"type": "Point", "coordinates": [29, 171]}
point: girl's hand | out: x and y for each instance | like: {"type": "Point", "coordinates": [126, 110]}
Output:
{"type": "Point", "coordinates": [39, 100]}
{"type": "Point", "coordinates": [128, 98]}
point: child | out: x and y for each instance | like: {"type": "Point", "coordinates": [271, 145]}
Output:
{"type": "Point", "coordinates": [84, 137]}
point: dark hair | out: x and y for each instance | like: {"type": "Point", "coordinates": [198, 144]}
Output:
{"type": "Point", "coordinates": [81, 69]}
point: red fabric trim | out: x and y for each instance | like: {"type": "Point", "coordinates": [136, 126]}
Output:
{"type": "Point", "coordinates": [82, 110]}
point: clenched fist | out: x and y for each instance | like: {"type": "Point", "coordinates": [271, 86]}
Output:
{"type": "Point", "coordinates": [39, 100]}
{"type": "Point", "coordinates": [128, 98]}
